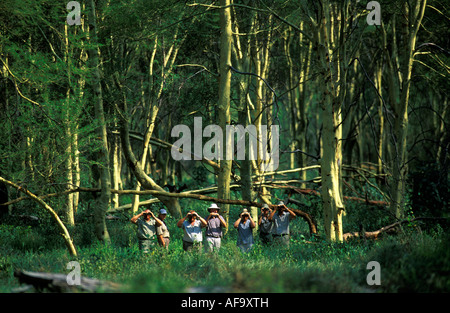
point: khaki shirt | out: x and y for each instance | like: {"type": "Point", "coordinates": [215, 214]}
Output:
{"type": "Point", "coordinates": [146, 230]}
{"type": "Point", "coordinates": [162, 230]}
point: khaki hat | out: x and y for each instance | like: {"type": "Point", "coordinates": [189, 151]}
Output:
{"type": "Point", "coordinates": [245, 211]}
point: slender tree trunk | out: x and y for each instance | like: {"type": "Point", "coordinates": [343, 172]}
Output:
{"type": "Point", "coordinates": [332, 127]}
{"type": "Point", "coordinates": [77, 169]}
{"type": "Point", "coordinates": [378, 82]}
{"type": "Point", "coordinates": [169, 58]}
{"type": "Point", "coordinates": [69, 211]}
{"type": "Point", "coordinates": [81, 83]}
{"type": "Point", "coordinates": [241, 53]}
{"type": "Point", "coordinates": [115, 170]}
{"type": "Point", "coordinates": [399, 167]}
{"type": "Point", "coordinates": [134, 165]}
{"type": "Point", "coordinates": [223, 105]}
{"type": "Point", "coordinates": [103, 155]}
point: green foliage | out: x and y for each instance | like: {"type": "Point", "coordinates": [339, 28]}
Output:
{"type": "Point", "coordinates": [57, 79]}
{"type": "Point", "coordinates": [420, 264]}
{"type": "Point", "coordinates": [430, 194]}
{"type": "Point", "coordinates": [410, 262]}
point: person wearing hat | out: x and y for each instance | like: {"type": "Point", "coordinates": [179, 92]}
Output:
{"type": "Point", "coordinates": [192, 225]}
{"type": "Point", "coordinates": [214, 233]}
{"type": "Point", "coordinates": [244, 225]}
{"type": "Point", "coordinates": [162, 232]}
{"type": "Point", "coordinates": [281, 218]}
{"type": "Point", "coordinates": [265, 225]}
{"type": "Point", "coordinates": [146, 223]}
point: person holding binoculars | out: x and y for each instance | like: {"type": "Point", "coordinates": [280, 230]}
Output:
{"type": "Point", "coordinates": [281, 217]}
{"type": "Point", "coordinates": [146, 223]}
{"type": "Point", "coordinates": [214, 232]}
{"type": "Point", "coordinates": [192, 225]}
{"type": "Point", "coordinates": [244, 226]}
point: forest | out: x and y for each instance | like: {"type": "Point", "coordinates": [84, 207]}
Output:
{"type": "Point", "coordinates": [111, 111]}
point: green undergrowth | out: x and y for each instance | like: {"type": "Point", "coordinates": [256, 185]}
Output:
{"type": "Point", "coordinates": [409, 262]}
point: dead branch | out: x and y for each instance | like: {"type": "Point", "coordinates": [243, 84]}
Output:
{"type": "Point", "coordinates": [57, 282]}
{"type": "Point", "coordinates": [306, 216]}
{"type": "Point", "coordinates": [389, 228]}
{"type": "Point", "coordinates": [62, 227]}
{"type": "Point", "coordinates": [316, 193]}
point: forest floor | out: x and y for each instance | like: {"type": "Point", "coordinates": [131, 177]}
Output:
{"type": "Point", "coordinates": [409, 262]}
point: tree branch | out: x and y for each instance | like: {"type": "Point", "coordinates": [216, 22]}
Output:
{"type": "Point", "coordinates": [55, 216]}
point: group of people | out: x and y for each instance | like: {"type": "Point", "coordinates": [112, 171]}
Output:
{"type": "Point", "coordinates": [273, 228]}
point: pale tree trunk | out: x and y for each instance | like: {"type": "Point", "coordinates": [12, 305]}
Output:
{"type": "Point", "coordinates": [28, 163]}
{"type": "Point", "coordinates": [260, 54]}
{"type": "Point", "coordinates": [378, 84]}
{"type": "Point", "coordinates": [77, 169]}
{"type": "Point", "coordinates": [399, 159]}
{"type": "Point", "coordinates": [381, 133]}
{"type": "Point", "coordinates": [147, 182]}
{"type": "Point", "coordinates": [69, 212]}
{"type": "Point", "coordinates": [303, 104]}
{"type": "Point", "coordinates": [103, 201]}
{"type": "Point", "coordinates": [134, 165]}
{"type": "Point", "coordinates": [115, 170]}
{"type": "Point", "coordinates": [331, 160]}
{"type": "Point", "coordinates": [224, 177]}
{"type": "Point", "coordinates": [168, 61]}
{"type": "Point", "coordinates": [298, 101]}
{"type": "Point", "coordinates": [81, 83]}
{"type": "Point", "coordinates": [69, 208]}
{"type": "Point", "coordinates": [241, 54]}
{"type": "Point", "coordinates": [151, 116]}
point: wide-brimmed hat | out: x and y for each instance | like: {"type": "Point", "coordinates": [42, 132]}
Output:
{"type": "Point", "coordinates": [280, 203]}
{"type": "Point", "coordinates": [265, 206]}
{"type": "Point", "coordinates": [245, 211]}
{"type": "Point", "coordinates": [213, 206]}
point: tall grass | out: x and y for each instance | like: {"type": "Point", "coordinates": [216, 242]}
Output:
{"type": "Point", "coordinates": [409, 262]}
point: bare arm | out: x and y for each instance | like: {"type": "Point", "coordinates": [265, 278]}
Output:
{"type": "Point", "coordinates": [158, 222]}
{"type": "Point", "coordinates": [181, 221]}
{"type": "Point", "coordinates": [292, 214]}
{"type": "Point", "coordinates": [136, 217]}
{"type": "Point", "coordinates": [271, 215]}
{"type": "Point", "coordinates": [161, 240]}
{"type": "Point", "coordinates": [222, 222]}
{"type": "Point", "coordinates": [202, 220]}
{"type": "Point", "coordinates": [252, 223]}
{"type": "Point", "coordinates": [236, 224]}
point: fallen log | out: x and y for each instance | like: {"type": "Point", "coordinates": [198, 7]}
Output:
{"type": "Point", "coordinates": [56, 282]}
{"type": "Point", "coordinates": [390, 228]}
{"type": "Point", "coordinates": [195, 195]}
